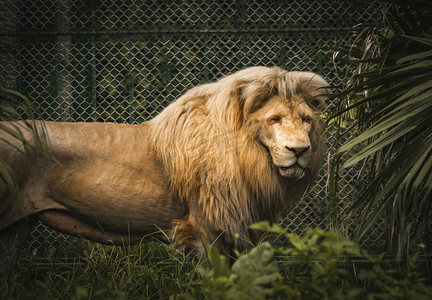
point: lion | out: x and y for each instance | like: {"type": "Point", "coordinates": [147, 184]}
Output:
{"type": "Point", "coordinates": [224, 155]}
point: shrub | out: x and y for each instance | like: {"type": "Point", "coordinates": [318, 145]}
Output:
{"type": "Point", "coordinates": [317, 265]}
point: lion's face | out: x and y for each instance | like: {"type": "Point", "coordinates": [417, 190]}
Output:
{"type": "Point", "coordinates": [284, 130]}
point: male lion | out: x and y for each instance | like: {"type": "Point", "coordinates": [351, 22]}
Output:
{"type": "Point", "coordinates": [223, 156]}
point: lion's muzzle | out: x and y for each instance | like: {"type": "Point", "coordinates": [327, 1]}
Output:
{"type": "Point", "coordinates": [295, 161]}
{"type": "Point", "coordinates": [298, 151]}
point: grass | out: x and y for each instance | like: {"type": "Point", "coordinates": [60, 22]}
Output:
{"type": "Point", "coordinates": [313, 266]}
{"type": "Point", "coordinates": [147, 271]}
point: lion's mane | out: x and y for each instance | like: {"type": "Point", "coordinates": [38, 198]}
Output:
{"type": "Point", "coordinates": [211, 155]}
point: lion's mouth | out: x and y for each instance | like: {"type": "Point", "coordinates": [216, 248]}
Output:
{"type": "Point", "coordinates": [294, 171]}
{"type": "Point", "coordinates": [283, 169]}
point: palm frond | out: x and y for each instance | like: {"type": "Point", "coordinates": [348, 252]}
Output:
{"type": "Point", "coordinates": [388, 99]}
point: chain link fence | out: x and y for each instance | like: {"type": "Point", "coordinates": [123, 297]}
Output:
{"type": "Point", "coordinates": [124, 61]}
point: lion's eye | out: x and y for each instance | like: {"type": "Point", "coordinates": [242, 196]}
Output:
{"type": "Point", "coordinates": [273, 120]}
{"type": "Point", "coordinates": [306, 119]}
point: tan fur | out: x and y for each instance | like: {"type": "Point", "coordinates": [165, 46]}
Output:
{"type": "Point", "coordinates": [209, 165]}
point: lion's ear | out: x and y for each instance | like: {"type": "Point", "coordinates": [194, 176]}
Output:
{"type": "Point", "coordinates": [316, 102]}
{"type": "Point", "coordinates": [253, 95]}
{"type": "Point", "coordinates": [316, 88]}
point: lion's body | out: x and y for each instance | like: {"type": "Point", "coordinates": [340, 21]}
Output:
{"type": "Point", "coordinates": [221, 157]}
{"type": "Point", "coordinates": [105, 179]}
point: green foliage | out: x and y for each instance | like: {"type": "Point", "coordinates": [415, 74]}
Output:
{"type": "Point", "coordinates": [255, 275]}
{"type": "Point", "coordinates": [319, 260]}
{"type": "Point", "coordinates": [386, 101]}
{"type": "Point", "coordinates": [314, 266]}
{"type": "Point", "coordinates": [405, 283]}
{"type": "Point", "coordinates": [318, 265]}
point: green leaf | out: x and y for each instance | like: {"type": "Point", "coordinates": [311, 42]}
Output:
{"type": "Point", "coordinates": [257, 269]}
{"type": "Point", "coordinates": [416, 56]}
{"type": "Point", "coordinates": [7, 174]}
{"type": "Point", "coordinates": [408, 121]}
{"type": "Point", "coordinates": [416, 175]}
{"type": "Point", "coordinates": [425, 39]}
{"type": "Point", "coordinates": [218, 262]}
{"type": "Point", "coordinates": [265, 226]}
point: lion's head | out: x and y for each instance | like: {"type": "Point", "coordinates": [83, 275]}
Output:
{"type": "Point", "coordinates": [284, 129]}
{"type": "Point", "coordinates": [238, 149]}
{"type": "Point", "coordinates": [281, 111]}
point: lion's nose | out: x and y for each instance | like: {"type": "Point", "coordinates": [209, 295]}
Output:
{"type": "Point", "coordinates": [298, 150]}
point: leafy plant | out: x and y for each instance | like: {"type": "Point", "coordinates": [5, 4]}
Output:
{"type": "Point", "coordinates": [255, 275]}
{"type": "Point", "coordinates": [387, 99]}
{"type": "Point", "coordinates": [13, 106]}
{"type": "Point", "coordinates": [319, 259]}
{"type": "Point", "coordinates": [403, 283]}
{"type": "Point", "coordinates": [317, 265]}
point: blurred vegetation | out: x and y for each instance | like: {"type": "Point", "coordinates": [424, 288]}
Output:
{"type": "Point", "coordinates": [318, 265]}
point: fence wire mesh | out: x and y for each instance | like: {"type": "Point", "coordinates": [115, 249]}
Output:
{"type": "Point", "coordinates": [124, 61]}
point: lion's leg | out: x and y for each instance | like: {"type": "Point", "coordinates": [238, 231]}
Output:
{"type": "Point", "coordinates": [11, 239]}
{"type": "Point", "coordinates": [185, 236]}
{"type": "Point", "coordinates": [192, 235]}
{"type": "Point", "coordinates": [67, 223]}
